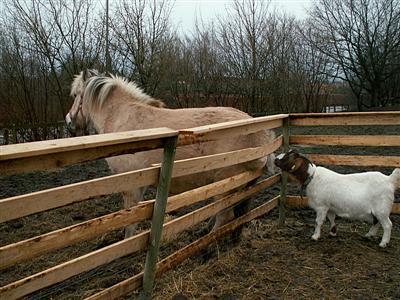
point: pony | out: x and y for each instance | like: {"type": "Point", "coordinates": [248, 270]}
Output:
{"type": "Point", "coordinates": [110, 103]}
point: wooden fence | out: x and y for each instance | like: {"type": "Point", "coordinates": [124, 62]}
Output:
{"type": "Point", "coordinates": [15, 134]}
{"type": "Point", "coordinates": [59, 153]}
{"type": "Point", "coordinates": [347, 119]}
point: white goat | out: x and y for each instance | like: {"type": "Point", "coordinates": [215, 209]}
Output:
{"type": "Point", "coordinates": [365, 196]}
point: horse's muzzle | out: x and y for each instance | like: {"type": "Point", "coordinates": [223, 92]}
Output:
{"type": "Point", "coordinates": [71, 126]}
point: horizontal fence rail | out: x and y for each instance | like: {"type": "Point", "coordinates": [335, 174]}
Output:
{"type": "Point", "coordinates": [346, 140]}
{"type": "Point", "coordinates": [131, 284]}
{"type": "Point", "coordinates": [356, 160]}
{"type": "Point", "coordinates": [329, 119]}
{"type": "Point", "coordinates": [47, 155]}
{"type": "Point", "coordinates": [343, 119]}
{"type": "Point", "coordinates": [227, 129]}
{"type": "Point", "coordinates": [128, 246]}
{"type": "Point", "coordinates": [45, 243]}
{"type": "Point", "coordinates": [19, 206]}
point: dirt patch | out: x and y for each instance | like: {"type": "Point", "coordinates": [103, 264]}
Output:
{"type": "Point", "coordinates": [267, 263]}
{"type": "Point", "coordinates": [284, 263]}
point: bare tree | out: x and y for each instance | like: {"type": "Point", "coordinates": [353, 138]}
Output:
{"type": "Point", "coordinates": [49, 42]}
{"type": "Point", "coordinates": [244, 46]}
{"type": "Point", "coordinates": [142, 36]}
{"type": "Point", "coordinates": [363, 38]}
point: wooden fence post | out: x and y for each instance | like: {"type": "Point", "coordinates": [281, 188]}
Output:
{"type": "Point", "coordinates": [158, 217]}
{"type": "Point", "coordinates": [285, 148]}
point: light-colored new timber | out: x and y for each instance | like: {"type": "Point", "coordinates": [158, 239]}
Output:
{"type": "Point", "coordinates": [360, 118]}
{"type": "Point", "coordinates": [346, 140]}
{"type": "Point", "coordinates": [107, 254]}
{"type": "Point", "coordinates": [19, 206]}
{"type": "Point", "coordinates": [63, 159]}
{"type": "Point", "coordinates": [82, 143]}
{"type": "Point", "coordinates": [216, 161]}
{"type": "Point", "coordinates": [131, 284]}
{"type": "Point", "coordinates": [356, 160]}
{"type": "Point", "coordinates": [23, 250]}
{"type": "Point", "coordinates": [228, 129]}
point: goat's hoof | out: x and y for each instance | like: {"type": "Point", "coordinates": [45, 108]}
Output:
{"type": "Point", "coordinates": [383, 245]}
{"type": "Point", "coordinates": [315, 237]}
{"type": "Point", "coordinates": [332, 233]}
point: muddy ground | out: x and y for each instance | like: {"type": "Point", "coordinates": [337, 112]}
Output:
{"type": "Point", "coordinates": [268, 262]}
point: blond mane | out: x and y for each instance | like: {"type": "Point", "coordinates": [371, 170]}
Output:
{"type": "Point", "coordinates": [96, 89]}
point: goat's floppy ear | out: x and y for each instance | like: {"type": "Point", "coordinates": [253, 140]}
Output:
{"type": "Point", "coordinates": [297, 164]}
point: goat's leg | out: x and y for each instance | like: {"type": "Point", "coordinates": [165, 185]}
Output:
{"type": "Point", "coordinates": [387, 228]}
{"type": "Point", "coordinates": [321, 216]}
{"type": "Point", "coordinates": [374, 228]}
{"type": "Point", "coordinates": [331, 217]}
{"type": "Point", "coordinates": [131, 198]}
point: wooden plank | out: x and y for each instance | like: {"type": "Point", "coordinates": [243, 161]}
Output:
{"type": "Point", "coordinates": [347, 140]}
{"type": "Point", "coordinates": [107, 254]}
{"type": "Point", "coordinates": [216, 161]}
{"type": "Point", "coordinates": [356, 160]}
{"type": "Point", "coordinates": [220, 187]}
{"type": "Point", "coordinates": [158, 217]}
{"type": "Point", "coordinates": [396, 208]}
{"type": "Point", "coordinates": [303, 202]}
{"type": "Point", "coordinates": [30, 248]}
{"type": "Point", "coordinates": [131, 284]}
{"type": "Point", "coordinates": [360, 118]}
{"type": "Point", "coordinates": [63, 152]}
{"type": "Point", "coordinates": [63, 159]}
{"type": "Point", "coordinates": [297, 201]}
{"type": "Point", "coordinates": [82, 143]}
{"type": "Point", "coordinates": [212, 209]}
{"type": "Point", "coordinates": [19, 206]}
{"type": "Point", "coordinates": [227, 129]}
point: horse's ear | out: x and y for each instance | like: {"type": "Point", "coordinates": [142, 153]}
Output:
{"type": "Point", "coordinates": [85, 74]}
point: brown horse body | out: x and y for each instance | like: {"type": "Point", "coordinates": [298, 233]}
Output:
{"type": "Point", "coordinates": [111, 104]}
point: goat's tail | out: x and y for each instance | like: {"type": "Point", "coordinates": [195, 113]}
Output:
{"type": "Point", "coordinates": [395, 176]}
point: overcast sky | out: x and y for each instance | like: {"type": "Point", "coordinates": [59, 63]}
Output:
{"type": "Point", "coordinates": [185, 11]}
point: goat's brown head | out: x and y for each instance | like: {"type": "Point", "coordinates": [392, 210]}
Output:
{"type": "Point", "coordinates": [295, 164]}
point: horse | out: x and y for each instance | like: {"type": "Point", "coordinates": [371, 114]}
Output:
{"type": "Point", "coordinates": [110, 103]}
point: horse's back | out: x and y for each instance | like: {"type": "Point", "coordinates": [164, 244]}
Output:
{"type": "Point", "coordinates": [151, 117]}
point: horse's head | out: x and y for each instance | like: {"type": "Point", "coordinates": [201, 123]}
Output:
{"type": "Point", "coordinates": [77, 118]}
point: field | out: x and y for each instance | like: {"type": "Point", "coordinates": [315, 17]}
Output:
{"type": "Point", "coordinates": [267, 262]}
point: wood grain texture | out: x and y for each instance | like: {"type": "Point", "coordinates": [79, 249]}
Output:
{"type": "Point", "coordinates": [33, 247]}
{"type": "Point", "coordinates": [19, 206]}
{"type": "Point", "coordinates": [122, 248]}
{"type": "Point", "coordinates": [349, 118]}
{"type": "Point", "coordinates": [347, 140]}
{"type": "Point", "coordinates": [131, 284]}
{"type": "Point", "coordinates": [356, 160]}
